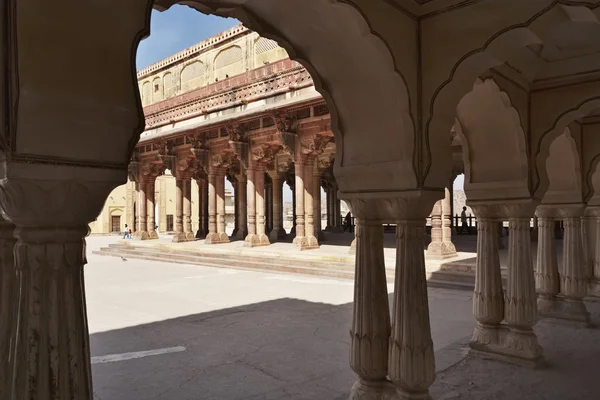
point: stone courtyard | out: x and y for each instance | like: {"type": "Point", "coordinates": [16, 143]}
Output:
{"type": "Point", "coordinates": [227, 334]}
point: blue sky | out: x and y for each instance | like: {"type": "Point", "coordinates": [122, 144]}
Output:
{"type": "Point", "coordinates": [176, 29]}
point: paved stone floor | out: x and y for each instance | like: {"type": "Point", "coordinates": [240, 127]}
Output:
{"type": "Point", "coordinates": [221, 334]}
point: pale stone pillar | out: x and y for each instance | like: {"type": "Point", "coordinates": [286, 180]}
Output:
{"type": "Point", "coordinates": [201, 233]}
{"type": "Point", "coordinates": [547, 282]}
{"type": "Point", "coordinates": [594, 286]}
{"type": "Point", "coordinates": [220, 188]}
{"type": "Point", "coordinates": [162, 205]}
{"type": "Point", "coordinates": [448, 246]}
{"type": "Point", "coordinates": [573, 280]}
{"type": "Point", "coordinates": [277, 233]}
{"type": "Point", "coordinates": [141, 232]}
{"type": "Point", "coordinates": [294, 199]}
{"type": "Point", "coordinates": [47, 331]}
{"type": "Point", "coordinates": [411, 360]}
{"type": "Point", "coordinates": [8, 291]}
{"type": "Point", "coordinates": [268, 208]}
{"type": "Point", "coordinates": [434, 250]}
{"type": "Point", "coordinates": [213, 236]}
{"type": "Point", "coordinates": [488, 296]}
{"type": "Point", "coordinates": [251, 239]}
{"type": "Point", "coordinates": [187, 209]}
{"type": "Point", "coordinates": [259, 179]}
{"type": "Point", "coordinates": [242, 228]}
{"type": "Point", "coordinates": [129, 211]}
{"type": "Point", "coordinates": [370, 331]}
{"type": "Point", "coordinates": [150, 208]}
{"type": "Point", "coordinates": [520, 303]}
{"type": "Point", "coordinates": [179, 193]}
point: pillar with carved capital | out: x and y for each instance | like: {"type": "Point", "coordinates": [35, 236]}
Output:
{"type": "Point", "coordinates": [370, 331]}
{"type": "Point", "coordinates": [434, 250]}
{"type": "Point", "coordinates": [488, 296]}
{"type": "Point", "coordinates": [277, 233]}
{"type": "Point", "coordinates": [520, 302]}
{"type": "Point", "coordinates": [242, 221]}
{"type": "Point", "coordinates": [220, 188]}
{"type": "Point", "coordinates": [547, 281]}
{"type": "Point", "coordinates": [49, 340]}
{"type": "Point", "coordinates": [150, 208]}
{"type": "Point", "coordinates": [201, 202]}
{"type": "Point", "coordinates": [179, 193]}
{"type": "Point", "coordinates": [573, 280]}
{"type": "Point", "coordinates": [187, 209]}
{"type": "Point", "coordinates": [141, 233]}
{"type": "Point", "coordinates": [212, 237]}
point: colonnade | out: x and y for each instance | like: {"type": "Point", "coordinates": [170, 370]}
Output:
{"type": "Point", "coordinates": [259, 211]}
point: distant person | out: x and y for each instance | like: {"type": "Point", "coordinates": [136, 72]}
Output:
{"type": "Point", "coordinates": [348, 222]}
{"type": "Point", "coordinates": [126, 232]}
{"type": "Point", "coordinates": [464, 222]}
{"type": "Point", "coordinates": [130, 232]}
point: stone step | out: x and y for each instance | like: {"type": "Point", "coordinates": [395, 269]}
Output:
{"type": "Point", "coordinates": [444, 279]}
{"type": "Point", "coordinates": [243, 264]}
{"type": "Point", "coordinates": [229, 257]}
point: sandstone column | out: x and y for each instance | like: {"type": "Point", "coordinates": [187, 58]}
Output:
{"type": "Point", "coordinates": [520, 303]}
{"type": "Point", "coordinates": [300, 239]}
{"type": "Point", "coordinates": [311, 241]}
{"type": "Point", "coordinates": [488, 296]}
{"type": "Point", "coordinates": [411, 359]}
{"type": "Point", "coordinates": [129, 208]}
{"type": "Point", "coordinates": [162, 205]}
{"type": "Point", "coordinates": [277, 233]}
{"type": "Point", "coordinates": [259, 179]}
{"type": "Point", "coordinates": [252, 238]}
{"type": "Point", "coordinates": [150, 208]}
{"type": "Point", "coordinates": [449, 248]}
{"type": "Point", "coordinates": [370, 332]}
{"type": "Point", "coordinates": [236, 207]}
{"type": "Point", "coordinates": [213, 236]}
{"type": "Point", "coordinates": [547, 281]}
{"type": "Point", "coordinates": [317, 204]}
{"type": "Point", "coordinates": [179, 193]}
{"type": "Point", "coordinates": [220, 188]}
{"type": "Point", "coordinates": [242, 227]}
{"type": "Point", "coordinates": [141, 232]}
{"type": "Point", "coordinates": [294, 199]}
{"type": "Point", "coordinates": [268, 208]}
{"type": "Point", "coordinates": [201, 202]}
{"type": "Point", "coordinates": [187, 209]}
{"type": "Point", "coordinates": [573, 280]}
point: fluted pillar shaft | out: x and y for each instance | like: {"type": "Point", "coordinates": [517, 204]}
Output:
{"type": "Point", "coordinates": [151, 209]}
{"type": "Point", "coordinates": [129, 208]}
{"type": "Point", "coordinates": [220, 188]}
{"type": "Point", "coordinates": [251, 206]}
{"type": "Point", "coordinates": [520, 305]}
{"type": "Point", "coordinates": [370, 331]}
{"type": "Point", "coordinates": [547, 281]}
{"type": "Point", "coordinates": [411, 360]}
{"type": "Point", "coordinates": [310, 241]}
{"type": "Point", "coordinates": [435, 247]}
{"type": "Point", "coordinates": [573, 280]}
{"type": "Point", "coordinates": [488, 296]}
{"type": "Point", "coordinates": [259, 178]}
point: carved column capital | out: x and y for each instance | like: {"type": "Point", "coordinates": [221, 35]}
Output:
{"type": "Point", "coordinates": [391, 207]}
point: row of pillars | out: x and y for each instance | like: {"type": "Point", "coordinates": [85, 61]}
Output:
{"type": "Point", "coordinates": [258, 208]}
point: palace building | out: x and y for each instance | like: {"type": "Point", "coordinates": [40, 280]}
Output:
{"type": "Point", "coordinates": [379, 102]}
